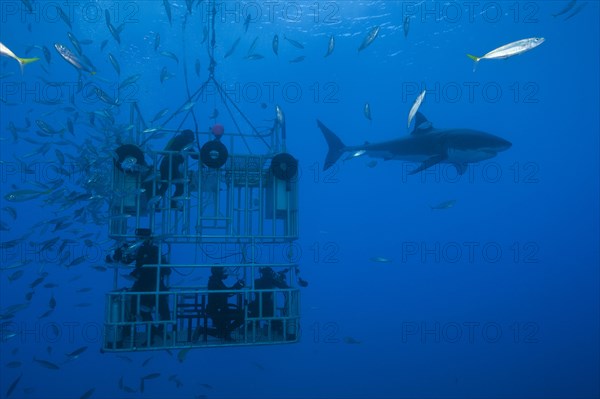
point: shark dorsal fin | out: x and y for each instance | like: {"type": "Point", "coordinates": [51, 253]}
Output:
{"type": "Point", "coordinates": [422, 124]}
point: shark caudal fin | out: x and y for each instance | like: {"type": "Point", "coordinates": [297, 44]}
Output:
{"type": "Point", "coordinates": [475, 60]}
{"type": "Point", "coordinates": [336, 147]}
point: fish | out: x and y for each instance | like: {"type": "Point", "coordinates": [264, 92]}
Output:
{"type": "Point", "coordinates": [576, 11]}
{"type": "Point", "coordinates": [426, 144]}
{"type": "Point", "coordinates": [167, 6]}
{"type": "Point", "coordinates": [114, 63]}
{"type": "Point", "coordinates": [182, 354]}
{"type": "Point", "coordinates": [64, 17]}
{"type": "Point", "coordinates": [207, 386]}
{"type": "Point", "coordinates": [247, 23]}
{"type": "Point", "coordinates": [46, 364]}
{"type": "Point", "coordinates": [170, 55]}
{"type": "Point", "coordinates": [37, 282]}
{"type": "Point", "coordinates": [204, 35]}
{"type": "Point", "coordinates": [16, 275]}
{"type": "Point", "coordinates": [103, 44]}
{"type": "Point", "coordinates": [46, 128]}
{"type": "Point", "coordinates": [254, 57]}
{"type": "Point", "coordinates": [415, 107]}
{"type": "Point", "coordinates": [88, 394]}
{"type": "Point", "coordinates": [371, 36]}
{"type": "Point", "coordinates": [151, 376]}
{"type": "Point", "coordinates": [24, 195]}
{"type": "Point", "coordinates": [159, 115]}
{"type": "Point", "coordinates": [72, 131]}
{"type": "Point", "coordinates": [297, 59]}
{"type": "Point", "coordinates": [165, 75]}
{"type": "Point", "coordinates": [508, 50]}
{"type": "Point", "coordinates": [145, 363]}
{"type": "Point", "coordinates": [351, 341]}
{"type": "Point", "coordinates": [13, 385]}
{"type": "Point", "coordinates": [22, 61]}
{"type": "Point", "coordinates": [197, 67]}
{"type": "Point", "coordinates": [565, 10]}
{"type": "Point", "coordinates": [107, 17]}
{"type": "Point", "coordinates": [406, 25]}
{"type": "Point", "coordinates": [52, 303]}
{"type": "Point", "coordinates": [330, 46]}
{"type": "Point", "coordinates": [156, 41]}
{"type": "Point", "coordinates": [75, 354]}
{"type": "Point", "coordinates": [4, 226]}
{"type": "Point", "coordinates": [380, 259]}
{"type": "Point", "coordinates": [367, 111]}
{"type": "Point", "coordinates": [28, 6]}
{"type": "Point", "coordinates": [115, 33]}
{"type": "Point", "coordinates": [72, 59]}
{"type": "Point", "coordinates": [275, 44]}
{"type": "Point", "coordinates": [293, 42]}
{"type": "Point", "coordinates": [189, 4]}
{"type": "Point", "coordinates": [130, 80]}
{"type": "Point", "coordinates": [46, 313]}
{"type": "Point", "coordinates": [14, 364]}
{"type": "Point", "coordinates": [232, 48]}
{"type": "Point", "coordinates": [104, 97]}
{"type": "Point", "coordinates": [50, 285]}
{"type": "Point", "coordinates": [47, 54]}
{"type": "Point", "coordinates": [252, 46]}
{"type": "Point", "coordinates": [214, 114]}
{"type": "Point", "coordinates": [77, 261]}
{"type": "Point", "coordinates": [74, 42]}
{"type": "Point", "coordinates": [443, 205]}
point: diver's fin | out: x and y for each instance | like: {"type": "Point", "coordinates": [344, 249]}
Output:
{"type": "Point", "coordinates": [336, 147]}
{"type": "Point", "coordinates": [428, 163]}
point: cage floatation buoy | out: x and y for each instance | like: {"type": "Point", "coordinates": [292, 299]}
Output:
{"type": "Point", "coordinates": [284, 166]}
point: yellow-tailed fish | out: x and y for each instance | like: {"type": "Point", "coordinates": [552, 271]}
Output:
{"type": "Point", "coordinates": [22, 61]}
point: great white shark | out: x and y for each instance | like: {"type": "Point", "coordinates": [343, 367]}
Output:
{"type": "Point", "coordinates": [425, 144]}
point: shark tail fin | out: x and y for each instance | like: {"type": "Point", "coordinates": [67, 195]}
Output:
{"type": "Point", "coordinates": [336, 147]}
{"type": "Point", "coordinates": [475, 60]}
{"type": "Point", "coordinates": [25, 61]}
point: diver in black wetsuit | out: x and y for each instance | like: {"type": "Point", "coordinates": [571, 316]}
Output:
{"type": "Point", "coordinates": [226, 317]}
{"type": "Point", "coordinates": [170, 165]}
{"type": "Point", "coordinates": [268, 280]}
{"type": "Point", "coordinates": [146, 281]}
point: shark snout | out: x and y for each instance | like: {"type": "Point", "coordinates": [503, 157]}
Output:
{"type": "Point", "coordinates": [503, 145]}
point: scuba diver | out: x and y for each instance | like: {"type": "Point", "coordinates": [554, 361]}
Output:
{"type": "Point", "coordinates": [171, 164]}
{"type": "Point", "coordinates": [145, 281]}
{"type": "Point", "coordinates": [268, 280]}
{"type": "Point", "coordinates": [226, 317]}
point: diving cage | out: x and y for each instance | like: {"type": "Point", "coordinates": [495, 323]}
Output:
{"type": "Point", "coordinates": [222, 208]}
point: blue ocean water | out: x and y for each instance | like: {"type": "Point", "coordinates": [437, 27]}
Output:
{"type": "Point", "coordinates": [496, 295]}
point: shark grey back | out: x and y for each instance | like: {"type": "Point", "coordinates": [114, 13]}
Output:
{"type": "Point", "coordinates": [425, 144]}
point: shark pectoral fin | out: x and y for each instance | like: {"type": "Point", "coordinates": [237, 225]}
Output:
{"type": "Point", "coordinates": [461, 168]}
{"type": "Point", "coordinates": [428, 163]}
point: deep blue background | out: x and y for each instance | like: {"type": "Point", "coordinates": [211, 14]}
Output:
{"type": "Point", "coordinates": [532, 308]}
